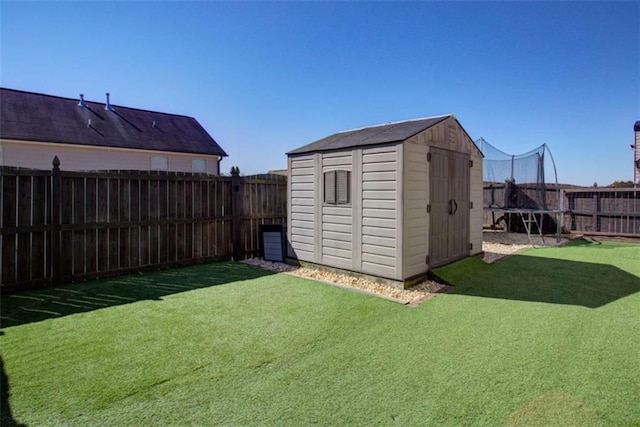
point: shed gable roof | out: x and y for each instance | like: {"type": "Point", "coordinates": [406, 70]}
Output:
{"type": "Point", "coordinates": [44, 118]}
{"type": "Point", "coordinates": [372, 135]}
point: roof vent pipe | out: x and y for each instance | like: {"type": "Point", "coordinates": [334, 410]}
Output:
{"type": "Point", "coordinates": [82, 103]}
{"type": "Point", "coordinates": [108, 106]}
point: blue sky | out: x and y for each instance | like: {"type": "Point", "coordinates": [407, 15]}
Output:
{"type": "Point", "coordinates": [266, 77]}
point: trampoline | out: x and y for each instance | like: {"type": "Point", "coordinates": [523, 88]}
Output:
{"type": "Point", "coordinates": [516, 190]}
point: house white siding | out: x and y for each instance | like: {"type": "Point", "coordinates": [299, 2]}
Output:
{"type": "Point", "coordinates": [380, 214]}
{"type": "Point", "coordinates": [636, 155]}
{"type": "Point", "coordinates": [301, 222]}
{"type": "Point", "coordinates": [38, 155]}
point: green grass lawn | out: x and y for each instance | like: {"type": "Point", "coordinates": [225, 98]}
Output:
{"type": "Point", "coordinates": [548, 337]}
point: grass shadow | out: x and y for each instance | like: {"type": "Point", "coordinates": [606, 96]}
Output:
{"type": "Point", "coordinates": [6, 416]}
{"type": "Point", "coordinates": [33, 306]}
{"type": "Point", "coordinates": [543, 279]}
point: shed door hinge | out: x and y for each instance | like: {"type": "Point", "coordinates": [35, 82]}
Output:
{"type": "Point", "coordinates": [470, 163]}
{"type": "Point", "coordinates": [429, 208]}
{"type": "Point", "coordinates": [427, 259]}
{"type": "Point", "coordinates": [428, 157]}
{"type": "Point", "coordinates": [470, 205]}
{"type": "Point", "coordinates": [470, 246]}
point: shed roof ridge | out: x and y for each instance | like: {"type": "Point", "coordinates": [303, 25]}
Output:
{"type": "Point", "coordinates": [396, 123]}
{"type": "Point", "coordinates": [374, 135]}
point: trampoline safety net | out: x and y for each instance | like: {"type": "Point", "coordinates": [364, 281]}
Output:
{"type": "Point", "coordinates": [517, 183]}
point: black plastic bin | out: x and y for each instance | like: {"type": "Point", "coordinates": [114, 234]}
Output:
{"type": "Point", "coordinates": [272, 242]}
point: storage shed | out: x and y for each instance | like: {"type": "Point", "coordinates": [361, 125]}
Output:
{"type": "Point", "coordinates": [391, 201]}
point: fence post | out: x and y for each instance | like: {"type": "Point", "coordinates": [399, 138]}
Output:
{"type": "Point", "coordinates": [55, 221]}
{"type": "Point", "coordinates": [561, 208]}
{"type": "Point", "coordinates": [595, 216]}
{"type": "Point", "coordinates": [236, 212]}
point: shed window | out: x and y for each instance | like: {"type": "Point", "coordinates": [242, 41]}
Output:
{"type": "Point", "coordinates": [336, 187]}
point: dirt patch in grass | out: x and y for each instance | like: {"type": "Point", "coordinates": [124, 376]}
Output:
{"type": "Point", "coordinates": [554, 408]}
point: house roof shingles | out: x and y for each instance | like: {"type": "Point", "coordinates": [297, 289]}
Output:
{"type": "Point", "coordinates": [373, 135]}
{"type": "Point", "coordinates": [44, 118]}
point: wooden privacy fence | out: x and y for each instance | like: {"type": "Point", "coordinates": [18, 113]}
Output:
{"type": "Point", "coordinates": [58, 226]}
{"type": "Point", "coordinates": [611, 211]}
{"type": "Point", "coordinates": [525, 197]}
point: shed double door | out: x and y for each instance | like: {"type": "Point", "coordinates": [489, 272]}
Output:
{"type": "Point", "coordinates": [449, 206]}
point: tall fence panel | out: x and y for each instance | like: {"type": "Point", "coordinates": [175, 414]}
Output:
{"type": "Point", "coordinates": [612, 211]}
{"type": "Point", "coordinates": [58, 226]}
{"type": "Point", "coordinates": [525, 196]}
{"type": "Point", "coordinates": [263, 201]}
{"type": "Point", "coordinates": [118, 222]}
{"type": "Point", "coordinates": [26, 226]}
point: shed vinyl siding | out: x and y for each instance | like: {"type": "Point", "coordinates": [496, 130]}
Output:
{"type": "Point", "coordinates": [337, 220]}
{"type": "Point", "coordinates": [302, 192]}
{"type": "Point", "coordinates": [447, 135]}
{"type": "Point", "coordinates": [379, 211]}
{"type": "Point", "coordinates": [475, 217]}
{"type": "Point", "coordinates": [416, 196]}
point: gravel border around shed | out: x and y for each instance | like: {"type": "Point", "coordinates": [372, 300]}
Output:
{"type": "Point", "coordinates": [496, 246]}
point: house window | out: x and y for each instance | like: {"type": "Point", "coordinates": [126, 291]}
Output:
{"type": "Point", "coordinates": [337, 187]}
{"type": "Point", "coordinates": [159, 163]}
{"type": "Point", "coordinates": [198, 165]}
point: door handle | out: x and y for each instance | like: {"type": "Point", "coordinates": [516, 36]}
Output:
{"type": "Point", "coordinates": [450, 207]}
{"type": "Point", "coordinates": [455, 204]}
